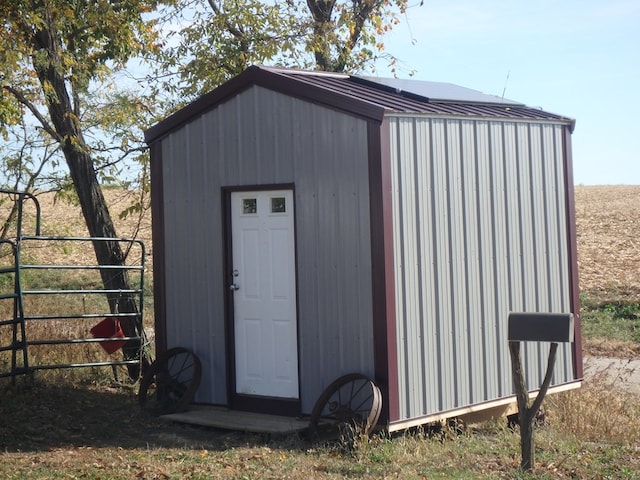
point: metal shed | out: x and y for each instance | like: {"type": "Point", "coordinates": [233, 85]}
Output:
{"type": "Point", "coordinates": [307, 225]}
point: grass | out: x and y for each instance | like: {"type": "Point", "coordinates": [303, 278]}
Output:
{"type": "Point", "coordinates": [84, 426]}
{"type": "Point", "coordinates": [611, 324]}
{"type": "Point", "coordinates": [62, 304]}
{"type": "Point", "coordinates": [79, 424]}
{"type": "Point", "coordinates": [94, 430]}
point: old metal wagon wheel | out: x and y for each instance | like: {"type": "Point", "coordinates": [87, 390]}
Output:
{"type": "Point", "coordinates": [169, 383]}
{"type": "Point", "coordinates": [351, 401]}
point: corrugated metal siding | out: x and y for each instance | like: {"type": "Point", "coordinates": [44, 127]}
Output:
{"type": "Point", "coordinates": [263, 137]}
{"type": "Point", "coordinates": [479, 230]}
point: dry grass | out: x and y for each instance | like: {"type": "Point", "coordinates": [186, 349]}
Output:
{"type": "Point", "coordinates": [60, 219]}
{"type": "Point", "coordinates": [607, 220]}
{"type": "Point", "coordinates": [608, 231]}
{"type": "Point", "coordinates": [601, 411]}
{"type": "Point", "coordinates": [83, 429]}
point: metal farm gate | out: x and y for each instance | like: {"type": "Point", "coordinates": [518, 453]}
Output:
{"type": "Point", "coordinates": [54, 309]}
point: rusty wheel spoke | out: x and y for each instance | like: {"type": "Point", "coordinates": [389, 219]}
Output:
{"type": "Point", "coordinates": [350, 400]}
{"type": "Point", "coordinates": [170, 382]}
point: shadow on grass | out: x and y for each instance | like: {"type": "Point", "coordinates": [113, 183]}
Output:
{"type": "Point", "coordinates": [37, 416]}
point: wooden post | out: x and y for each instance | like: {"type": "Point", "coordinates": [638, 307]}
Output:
{"type": "Point", "coordinates": [526, 413]}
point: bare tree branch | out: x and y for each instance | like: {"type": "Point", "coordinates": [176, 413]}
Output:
{"type": "Point", "coordinates": [236, 32]}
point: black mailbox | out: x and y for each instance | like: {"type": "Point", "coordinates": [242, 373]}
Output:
{"type": "Point", "coordinates": [540, 327]}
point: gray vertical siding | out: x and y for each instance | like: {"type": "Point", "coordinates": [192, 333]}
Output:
{"type": "Point", "coordinates": [479, 230]}
{"type": "Point", "coordinates": [262, 137]}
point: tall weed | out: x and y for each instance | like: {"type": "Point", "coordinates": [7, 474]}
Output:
{"type": "Point", "coordinates": [600, 411]}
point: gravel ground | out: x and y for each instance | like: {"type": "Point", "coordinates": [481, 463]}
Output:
{"type": "Point", "coordinates": [618, 372]}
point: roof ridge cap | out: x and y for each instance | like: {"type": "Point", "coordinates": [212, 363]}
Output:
{"type": "Point", "coordinates": [292, 71]}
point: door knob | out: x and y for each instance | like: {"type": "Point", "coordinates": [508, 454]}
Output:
{"type": "Point", "coordinates": [234, 287]}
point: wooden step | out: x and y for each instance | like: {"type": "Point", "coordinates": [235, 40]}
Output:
{"type": "Point", "coordinates": [220, 417]}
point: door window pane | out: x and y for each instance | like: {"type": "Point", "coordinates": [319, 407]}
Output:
{"type": "Point", "coordinates": [249, 206]}
{"type": "Point", "coordinates": [278, 205]}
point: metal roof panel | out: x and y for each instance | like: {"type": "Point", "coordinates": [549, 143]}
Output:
{"type": "Point", "coordinates": [361, 96]}
{"type": "Point", "coordinates": [390, 99]}
{"type": "Point", "coordinates": [439, 91]}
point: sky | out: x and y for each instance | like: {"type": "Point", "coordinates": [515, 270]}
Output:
{"type": "Point", "coordinates": [577, 58]}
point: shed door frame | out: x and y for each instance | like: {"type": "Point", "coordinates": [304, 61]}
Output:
{"type": "Point", "coordinates": [273, 405]}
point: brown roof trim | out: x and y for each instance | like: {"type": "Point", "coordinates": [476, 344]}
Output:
{"type": "Point", "coordinates": [573, 253]}
{"type": "Point", "coordinates": [273, 79]}
{"type": "Point", "coordinates": [344, 93]}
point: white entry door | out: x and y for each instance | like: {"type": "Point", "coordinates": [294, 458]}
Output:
{"type": "Point", "coordinates": [264, 297]}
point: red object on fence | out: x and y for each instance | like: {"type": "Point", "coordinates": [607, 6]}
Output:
{"type": "Point", "coordinates": [109, 328]}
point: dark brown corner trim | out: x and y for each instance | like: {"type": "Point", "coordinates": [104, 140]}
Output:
{"type": "Point", "coordinates": [383, 283]}
{"type": "Point", "coordinates": [573, 252]}
{"type": "Point", "coordinates": [158, 257]}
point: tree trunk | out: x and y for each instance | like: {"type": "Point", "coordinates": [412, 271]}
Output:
{"type": "Point", "coordinates": [524, 417]}
{"type": "Point", "coordinates": [81, 168]}
{"type": "Point", "coordinates": [526, 414]}
{"type": "Point", "coordinates": [99, 223]}
{"type": "Point", "coordinates": [526, 443]}
{"type": "Point", "coordinates": [321, 11]}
